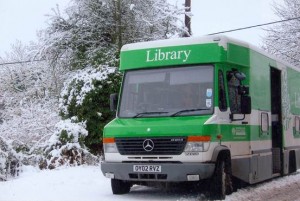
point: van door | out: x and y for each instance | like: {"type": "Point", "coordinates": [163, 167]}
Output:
{"type": "Point", "coordinates": [276, 116]}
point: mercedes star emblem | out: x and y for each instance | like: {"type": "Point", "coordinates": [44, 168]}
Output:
{"type": "Point", "coordinates": [148, 145]}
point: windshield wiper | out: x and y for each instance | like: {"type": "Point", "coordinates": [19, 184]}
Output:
{"type": "Point", "coordinates": [189, 110]}
{"type": "Point", "coordinates": [145, 113]}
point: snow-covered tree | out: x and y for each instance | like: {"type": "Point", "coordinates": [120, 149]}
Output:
{"type": "Point", "coordinates": [283, 39]}
{"type": "Point", "coordinates": [91, 32]}
{"type": "Point", "coordinates": [79, 37]}
{"type": "Point", "coordinates": [89, 35]}
{"type": "Point", "coordinates": [28, 101]}
{"type": "Point", "coordinates": [78, 46]}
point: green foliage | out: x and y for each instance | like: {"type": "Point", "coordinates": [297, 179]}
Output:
{"type": "Point", "coordinates": [22, 148]}
{"type": "Point", "coordinates": [94, 108]}
{"type": "Point", "coordinates": [64, 138]}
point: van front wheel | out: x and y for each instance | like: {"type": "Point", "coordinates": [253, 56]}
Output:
{"type": "Point", "coordinates": [221, 184]}
{"type": "Point", "coordinates": [120, 187]}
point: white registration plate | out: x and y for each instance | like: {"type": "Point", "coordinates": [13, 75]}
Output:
{"type": "Point", "coordinates": [146, 168]}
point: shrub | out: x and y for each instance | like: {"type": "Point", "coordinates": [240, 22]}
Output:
{"type": "Point", "coordinates": [66, 145]}
{"type": "Point", "coordinates": [86, 97]}
{"type": "Point", "coordinates": [10, 161]}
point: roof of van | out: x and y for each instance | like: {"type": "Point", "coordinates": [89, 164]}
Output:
{"type": "Point", "coordinates": [221, 40]}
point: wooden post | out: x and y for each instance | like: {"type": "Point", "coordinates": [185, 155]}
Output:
{"type": "Point", "coordinates": [187, 19]}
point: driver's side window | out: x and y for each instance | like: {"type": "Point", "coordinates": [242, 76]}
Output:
{"type": "Point", "coordinates": [234, 97]}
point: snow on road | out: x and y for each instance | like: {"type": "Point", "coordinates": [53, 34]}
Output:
{"type": "Point", "coordinates": [82, 183]}
{"type": "Point", "coordinates": [87, 183]}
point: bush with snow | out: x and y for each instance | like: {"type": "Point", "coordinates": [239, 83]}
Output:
{"type": "Point", "coordinates": [10, 160]}
{"type": "Point", "coordinates": [86, 97]}
{"type": "Point", "coordinates": [66, 145]}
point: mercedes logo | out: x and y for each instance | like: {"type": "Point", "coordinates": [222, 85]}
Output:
{"type": "Point", "coordinates": [148, 145]}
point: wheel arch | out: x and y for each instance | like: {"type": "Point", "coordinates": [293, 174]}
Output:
{"type": "Point", "coordinates": [221, 152]}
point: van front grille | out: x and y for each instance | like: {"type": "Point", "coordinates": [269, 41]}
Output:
{"type": "Point", "coordinates": [151, 146]}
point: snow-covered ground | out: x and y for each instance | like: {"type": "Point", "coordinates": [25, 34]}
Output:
{"type": "Point", "coordinates": [87, 183]}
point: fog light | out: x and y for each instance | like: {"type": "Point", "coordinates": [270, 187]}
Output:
{"type": "Point", "coordinates": [193, 177]}
{"type": "Point", "coordinates": [109, 175]}
{"type": "Point", "coordinates": [110, 148]}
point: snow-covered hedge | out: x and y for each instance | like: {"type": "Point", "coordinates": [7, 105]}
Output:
{"type": "Point", "coordinates": [10, 160]}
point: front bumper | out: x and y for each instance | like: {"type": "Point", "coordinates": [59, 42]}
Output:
{"type": "Point", "coordinates": [170, 172]}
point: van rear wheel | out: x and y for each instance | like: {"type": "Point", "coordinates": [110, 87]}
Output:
{"type": "Point", "coordinates": [120, 187]}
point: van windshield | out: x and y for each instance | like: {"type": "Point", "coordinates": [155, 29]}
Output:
{"type": "Point", "coordinates": [173, 91]}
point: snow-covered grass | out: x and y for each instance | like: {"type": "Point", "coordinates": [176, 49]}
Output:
{"type": "Point", "coordinates": [87, 183]}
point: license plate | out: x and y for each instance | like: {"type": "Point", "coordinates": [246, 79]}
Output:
{"type": "Point", "coordinates": [146, 168]}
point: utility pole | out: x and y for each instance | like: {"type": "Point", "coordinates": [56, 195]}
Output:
{"type": "Point", "coordinates": [119, 23]}
{"type": "Point", "coordinates": [187, 19]}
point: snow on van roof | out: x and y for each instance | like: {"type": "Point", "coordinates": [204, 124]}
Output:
{"type": "Point", "coordinates": [221, 40]}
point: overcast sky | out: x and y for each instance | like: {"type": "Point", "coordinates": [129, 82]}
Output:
{"type": "Point", "coordinates": [222, 15]}
{"type": "Point", "coordinates": [20, 19]}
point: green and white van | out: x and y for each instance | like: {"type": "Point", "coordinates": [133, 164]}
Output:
{"type": "Point", "coordinates": [202, 108]}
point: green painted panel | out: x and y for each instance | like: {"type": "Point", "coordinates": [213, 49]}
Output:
{"type": "Point", "coordinates": [162, 126]}
{"type": "Point", "coordinates": [238, 55]}
{"type": "Point", "coordinates": [175, 55]}
{"type": "Point", "coordinates": [237, 132]}
{"type": "Point", "coordinates": [182, 126]}
{"type": "Point", "coordinates": [259, 79]}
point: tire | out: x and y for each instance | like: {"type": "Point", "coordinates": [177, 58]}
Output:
{"type": "Point", "coordinates": [221, 184]}
{"type": "Point", "coordinates": [120, 187]}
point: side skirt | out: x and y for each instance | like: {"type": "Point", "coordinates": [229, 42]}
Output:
{"type": "Point", "coordinates": [253, 169]}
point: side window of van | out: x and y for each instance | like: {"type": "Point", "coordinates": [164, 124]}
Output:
{"type": "Point", "coordinates": [233, 95]}
{"type": "Point", "coordinates": [222, 94]}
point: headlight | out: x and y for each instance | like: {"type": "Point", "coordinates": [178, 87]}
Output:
{"type": "Point", "coordinates": [197, 144]}
{"type": "Point", "coordinates": [109, 145]}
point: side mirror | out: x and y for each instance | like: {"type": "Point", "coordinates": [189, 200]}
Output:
{"type": "Point", "coordinates": [113, 102]}
{"type": "Point", "coordinates": [243, 90]}
{"type": "Point", "coordinates": [245, 108]}
{"type": "Point", "coordinates": [246, 105]}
